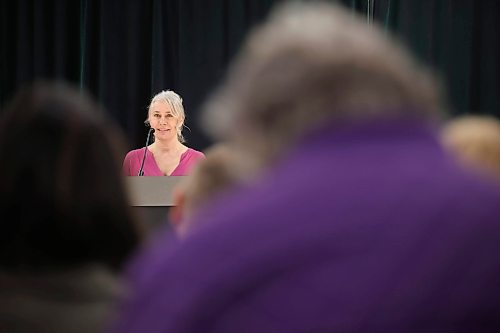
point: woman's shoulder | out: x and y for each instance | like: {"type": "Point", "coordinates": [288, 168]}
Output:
{"type": "Point", "coordinates": [188, 159]}
{"type": "Point", "coordinates": [134, 152]}
{"type": "Point", "coordinates": [194, 154]}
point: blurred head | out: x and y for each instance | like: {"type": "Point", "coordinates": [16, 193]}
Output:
{"type": "Point", "coordinates": [222, 169]}
{"type": "Point", "coordinates": [475, 141]}
{"type": "Point", "coordinates": [166, 115]}
{"type": "Point", "coordinates": [311, 63]}
{"type": "Point", "coordinates": [61, 193]}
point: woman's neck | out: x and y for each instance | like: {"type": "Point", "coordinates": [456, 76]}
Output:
{"type": "Point", "coordinates": [170, 146]}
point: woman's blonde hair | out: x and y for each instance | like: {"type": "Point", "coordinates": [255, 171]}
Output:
{"type": "Point", "coordinates": [172, 99]}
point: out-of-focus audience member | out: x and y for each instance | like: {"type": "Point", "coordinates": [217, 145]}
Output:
{"type": "Point", "coordinates": [167, 155]}
{"type": "Point", "coordinates": [67, 228]}
{"type": "Point", "coordinates": [475, 140]}
{"type": "Point", "coordinates": [360, 223]}
{"type": "Point", "coordinates": [223, 170]}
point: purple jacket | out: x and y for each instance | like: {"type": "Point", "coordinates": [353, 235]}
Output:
{"type": "Point", "coordinates": [362, 228]}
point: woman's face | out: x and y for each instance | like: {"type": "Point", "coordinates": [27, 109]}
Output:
{"type": "Point", "coordinates": [163, 121]}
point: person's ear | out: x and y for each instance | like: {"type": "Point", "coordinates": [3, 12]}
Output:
{"type": "Point", "coordinates": [175, 213]}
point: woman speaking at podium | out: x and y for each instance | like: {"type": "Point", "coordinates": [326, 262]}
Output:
{"type": "Point", "coordinates": [167, 155]}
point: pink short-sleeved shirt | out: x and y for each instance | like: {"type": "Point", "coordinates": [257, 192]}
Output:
{"type": "Point", "coordinates": [133, 160]}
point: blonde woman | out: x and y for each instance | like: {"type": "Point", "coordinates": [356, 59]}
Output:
{"type": "Point", "coordinates": [167, 155]}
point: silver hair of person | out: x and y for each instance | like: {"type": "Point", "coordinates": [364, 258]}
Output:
{"type": "Point", "coordinates": [313, 62]}
{"type": "Point", "coordinates": [172, 99]}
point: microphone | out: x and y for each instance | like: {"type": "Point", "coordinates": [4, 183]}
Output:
{"type": "Point", "coordinates": [141, 172]}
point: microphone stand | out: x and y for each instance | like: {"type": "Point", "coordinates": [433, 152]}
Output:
{"type": "Point", "coordinates": [141, 172]}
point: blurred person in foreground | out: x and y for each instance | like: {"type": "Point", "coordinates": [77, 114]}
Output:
{"type": "Point", "coordinates": [475, 141]}
{"type": "Point", "coordinates": [361, 222]}
{"type": "Point", "coordinates": [66, 224]}
{"type": "Point", "coordinates": [167, 155]}
{"type": "Point", "coordinates": [223, 171]}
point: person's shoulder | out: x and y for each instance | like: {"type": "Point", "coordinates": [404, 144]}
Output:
{"type": "Point", "coordinates": [133, 152]}
{"type": "Point", "coordinates": [196, 154]}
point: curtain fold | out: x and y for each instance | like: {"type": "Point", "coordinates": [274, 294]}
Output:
{"type": "Point", "coordinates": [125, 51]}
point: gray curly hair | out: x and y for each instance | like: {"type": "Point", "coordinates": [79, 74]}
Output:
{"type": "Point", "coordinates": [311, 63]}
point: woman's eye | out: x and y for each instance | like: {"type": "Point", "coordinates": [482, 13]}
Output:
{"type": "Point", "coordinates": [156, 115]}
{"type": "Point", "coordinates": [169, 115]}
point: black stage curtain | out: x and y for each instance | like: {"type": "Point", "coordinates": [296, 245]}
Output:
{"type": "Point", "coordinates": [124, 52]}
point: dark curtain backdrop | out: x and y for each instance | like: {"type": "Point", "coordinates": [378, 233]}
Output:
{"type": "Point", "coordinates": [124, 52]}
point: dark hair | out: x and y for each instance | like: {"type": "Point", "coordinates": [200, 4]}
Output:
{"type": "Point", "coordinates": [62, 197]}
